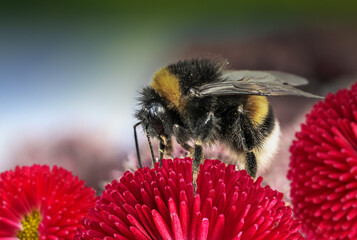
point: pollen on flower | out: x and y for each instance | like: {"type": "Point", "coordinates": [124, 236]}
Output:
{"type": "Point", "coordinates": [30, 225]}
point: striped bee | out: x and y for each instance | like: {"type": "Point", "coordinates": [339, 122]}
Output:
{"type": "Point", "coordinates": [198, 102]}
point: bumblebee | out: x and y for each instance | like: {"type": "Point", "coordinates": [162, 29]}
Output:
{"type": "Point", "coordinates": [198, 102]}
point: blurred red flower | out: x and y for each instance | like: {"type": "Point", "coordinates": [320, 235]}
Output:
{"type": "Point", "coordinates": [42, 203]}
{"type": "Point", "coordinates": [160, 203]}
{"type": "Point", "coordinates": [323, 168]}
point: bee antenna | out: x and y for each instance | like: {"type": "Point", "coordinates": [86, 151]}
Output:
{"type": "Point", "coordinates": [150, 145]}
{"type": "Point", "coordinates": [137, 145]}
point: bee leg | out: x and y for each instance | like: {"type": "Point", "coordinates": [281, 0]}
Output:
{"type": "Point", "coordinates": [245, 131]}
{"type": "Point", "coordinates": [205, 132]}
{"type": "Point", "coordinates": [247, 140]}
{"type": "Point", "coordinates": [168, 147]}
{"type": "Point", "coordinates": [187, 147]}
{"type": "Point", "coordinates": [137, 145]}
{"type": "Point", "coordinates": [208, 129]}
{"type": "Point", "coordinates": [197, 154]}
{"type": "Point", "coordinates": [182, 137]}
{"type": "Point", "coordinates": [151, 150]}
{"type": "Point", "coordinates": [251, 164]}
{"type": "Point", "coordinates": [162, 145]}
{"type": "Point", "coordinates": [197, 160]}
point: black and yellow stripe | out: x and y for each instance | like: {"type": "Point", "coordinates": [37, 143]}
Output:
{"type": "Point", "coordinates": [167, 85]}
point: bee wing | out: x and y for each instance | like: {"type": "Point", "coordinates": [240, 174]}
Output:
{"type": "Point", "coordinates": [267, 83]}
{"type": "Point", "coordinates": [265, 76]}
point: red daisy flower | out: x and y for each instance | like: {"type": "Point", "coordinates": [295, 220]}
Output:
{"type": "Point", "coordinates": [39, 203]}
{"type": "Point", "coordinates": [160, 204]}
{"type": "Point", "coordinates": [323, 168]}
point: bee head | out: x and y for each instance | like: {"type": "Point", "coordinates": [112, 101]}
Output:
{"type": "Point", "coordinates": [154, 114]}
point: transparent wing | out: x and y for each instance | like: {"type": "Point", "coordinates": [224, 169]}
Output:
{"type": "Point", "coordinates": [265, 83]}
{"type": "Point", "coordinates": [265, 76]}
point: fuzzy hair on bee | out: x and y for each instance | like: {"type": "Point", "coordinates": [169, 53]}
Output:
{"type": "Point", "coordinates": [198, 102]}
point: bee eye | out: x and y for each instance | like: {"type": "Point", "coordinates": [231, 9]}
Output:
{"type": "Point", "coordinates": [152, 113]}
{"type": "Point", "coordinates": [156, 115]}
{"type": "Point", "coordinates": [156, 111]}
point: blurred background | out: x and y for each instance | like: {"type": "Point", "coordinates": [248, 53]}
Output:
{"type": "Point", "coordinates": [70, 72]}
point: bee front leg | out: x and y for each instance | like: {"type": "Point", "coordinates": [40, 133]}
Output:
{"type": "Point", "coordinates": [162, 145]}
{"type": "Point", "coordinates": [165, 147]}
{"type": "Point", "coordinates": [165, 144]}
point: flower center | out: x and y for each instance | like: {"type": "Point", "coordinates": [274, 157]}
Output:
{"type": "Point", "coordinates": [30, 225]}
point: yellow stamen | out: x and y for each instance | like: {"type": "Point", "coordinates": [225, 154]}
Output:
{"type": "Point", "coordinates": [30, 225]}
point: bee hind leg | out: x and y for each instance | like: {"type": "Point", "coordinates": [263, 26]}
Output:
{"type": "Point", "coordinates": [245, 134]}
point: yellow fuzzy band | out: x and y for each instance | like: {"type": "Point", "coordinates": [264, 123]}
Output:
{"type": "Point", "coordinates": [167, 85]}
{"type": "Point", "coordinates": [257, 108]}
